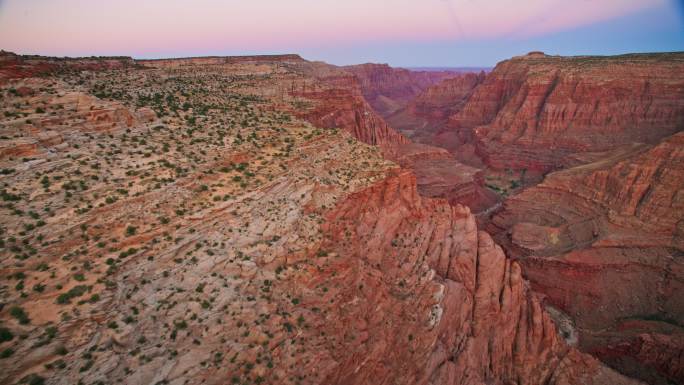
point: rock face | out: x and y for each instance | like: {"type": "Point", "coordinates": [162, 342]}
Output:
{"type": "Point", "coordinates": [430, 110]}
{"type": "Point", "coordinates": [388, 89]}
{"type": "Point", "coordinates": [535, 111]}
{"type": "Point", "coordinates": [413, 101]}
{"type": "Point", "coordinates": [466, 315]}
{"type": "Point", "coordinates": [604, 234]}
{"type": "Point", "coordinates": [439, 174]}
{"type": "Point", "coordinates": [200, 232]}
{"type": "Point", "coordinates": [338, 102]}
{"type": "Point", "coordinates": [604, 242]}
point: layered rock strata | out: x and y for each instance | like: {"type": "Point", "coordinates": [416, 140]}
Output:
{"type": "Point", "coordinates": [604, 242]}
{"type": "Point", "coordinates": [388, 89]}
{"type": "Point", "coordinates": [429, 111]}
{"type": "Point", "coordinates": [534, 111]}
{"type": "Point", "coordinates": [216, 237]}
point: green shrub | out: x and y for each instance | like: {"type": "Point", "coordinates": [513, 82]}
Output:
{"type": "Point", "coordinates": [33, 379]}
{"type": "Point", "coordinates": [19, 313]}
{"type": "Point", "coordinates": [74, 292]}
{"type": "Point", "coordinates": [6, 353]}
{"type": "Point", "coordinates": [130, 230]}
{"type": "Point", "coordinates": [5, 334]}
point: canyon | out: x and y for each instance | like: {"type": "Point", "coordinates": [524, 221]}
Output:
{"type": "Point", "coordinates": [540, 112]}
{"type": "Point", "coordinates": [388, 89]}
{"type": "Point", "coordinates": [269, 219]}
{"type": "Point", "coordinates": [603, 241]}
{"type": "Point", "coordinates": [601, 237]}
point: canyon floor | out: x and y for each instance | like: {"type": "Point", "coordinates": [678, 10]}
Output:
{"type": "Point", "coordinates": [272, 220]}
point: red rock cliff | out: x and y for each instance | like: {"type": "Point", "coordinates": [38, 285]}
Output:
{"type": "Point", "coordinates": [387, 89]}
{"type": "Point", "coordinates": [338, 102]}
{"type": "Point", "coordinates": [604, 242]}
{"type": "Point", "coordinates": [533, 111]}
{"type": "Point", "coordinates": [428, 112]}
{"type": "Point", "coordinates": [436, 301]}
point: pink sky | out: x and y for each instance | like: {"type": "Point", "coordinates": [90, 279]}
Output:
{"type": "Point", "coordinates": [147, 28]}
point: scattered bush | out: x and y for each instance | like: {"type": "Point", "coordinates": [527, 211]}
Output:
{"type": "Point", "coordinates": [6, 353]}
{"type": "Point", "coordinates": [130, 230]}
{"type": "Point", "coordinates": [74, 292]}
{"type": "Point", "coordinates": [19, 313]}
{"type": "Point", "coordinates": [5, 334]}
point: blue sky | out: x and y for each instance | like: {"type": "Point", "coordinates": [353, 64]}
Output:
{"type": "Point", "coordinates": [410, 33]}
{"type": "Point", "coordinates": [657, 29]}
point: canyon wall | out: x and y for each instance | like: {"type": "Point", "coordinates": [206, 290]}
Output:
{"type": "Point", "coordinates": [440, 174]}
{"type": "Point", "coordinates": [388, 89]}
{"type": "Point", "coordinates": [534, 111]}
{"type": "Point", "coordinates": [429, 111]}
{"type": "Point", "coordinates": [339, 103]}
{"type": "Point", "coordinates": [413, 103]}
{"type": "Point", "coordinates": [462, 311]}
{"type": "Point", "coordinates": [604, 242]}
{"type": "Point", "coordinates": [604, 234]}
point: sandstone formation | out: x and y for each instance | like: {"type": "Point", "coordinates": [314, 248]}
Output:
{"type": "Point", "coordinates": [186, 223]}
{"type": "Point", "coordinates": [604, 242]}
{"type": "Point", "coordinates": [439, 174]}
{"type": "Point", "coordinates": [396, 94]}
{"type": "Point", "coordinates": [535, 111]}
{"type": "Point", "coordinates": [603, 234]}
{"type": "Point", "coordinates": [339, 102]}
{"type": "Point", "coordinates": [388, 89]}
{"type": "Point", "coordinates": [466, 315]}
{"type": "Point", "coordinates": [430, 110]}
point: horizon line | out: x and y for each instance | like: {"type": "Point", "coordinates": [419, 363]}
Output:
{"type": "Point", "coordinates": [299, 56]}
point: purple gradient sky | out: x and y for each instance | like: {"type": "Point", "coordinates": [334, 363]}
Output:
{"type": "Point", "coordinates": [400, 32]}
